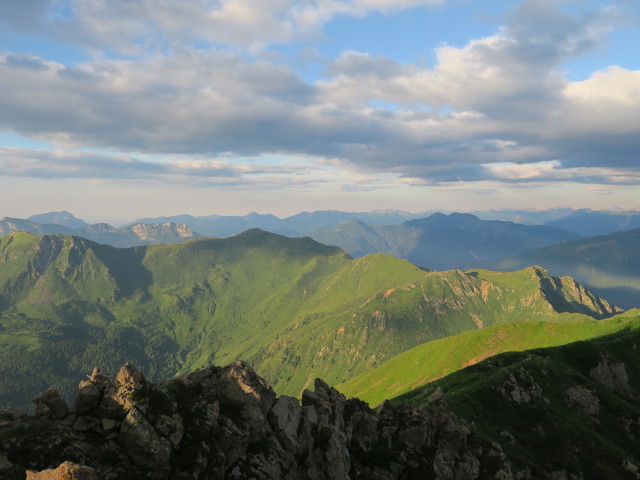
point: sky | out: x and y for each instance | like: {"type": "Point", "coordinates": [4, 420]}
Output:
{"type": "Point", "coordinates": [121, 109]}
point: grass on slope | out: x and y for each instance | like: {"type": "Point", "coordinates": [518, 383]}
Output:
{"type": "Point", "coordinates": [580, 413]}
{"type": "Point", "coordinates": [433, 360]}
{"type": "Point", "coordinates": [293, 308]}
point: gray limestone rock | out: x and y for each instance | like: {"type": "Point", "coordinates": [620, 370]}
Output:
{"type": "Point", "coordinates": [170, 427]}
{"type": "Point", "coordinates": [90, 391]}
{"type": "Point", "coordinates": [611, 375]}
{"type": "Point", "coordinates": [285, 416]}
{"type": "Point", "coordinates": [117, 398]}
{"type": "Point", "coordinates": [240, 385]}
{"type": "Point", "coordinates": [50, 403]}
{"type": "Point", "coordinates": [144, 445]}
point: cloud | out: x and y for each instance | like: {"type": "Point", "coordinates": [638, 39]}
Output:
{"type": "Point", "coordinates": [496, 74]}
{"type": "Point", "coordinates": [239, 23]}
{"type": "Point", "coordinates": [28, 15]}
{"type": "Point", "coordinates": [56, 164]}
{"type": "Point", "coordinates": [497, 108]}
{"type": "Point", "coordinates": [554, 171]}
{"type": "Point", "coordinates": [501, 99]}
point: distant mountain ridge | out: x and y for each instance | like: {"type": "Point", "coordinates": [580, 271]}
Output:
{"type": "Point", "coordinates": [294, 225]}
{"type": "Point", "coordinates": [526, 217]}
{"type": "Point", "coordinates": [128, 236]}
{"type": "Point", "coordinates": [442, 241]}
{"type": "Point", "coordinates": [63, 218]}
{"type": "Point", "coordinates": [589, 223]}
{"type": "Point", "coordinates": [584, 222]}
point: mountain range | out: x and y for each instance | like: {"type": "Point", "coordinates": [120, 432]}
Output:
{"type": "Point", "coordinates": [128, 236]}
{"type": "Point", "coordinates": [292, 226]}
{"type": "Point", "coordinates": [589, 223]}
{"type": "Point", "coordinates": [442, 241]}
{"type": "Point", "coordinates": [64, 218]}
{"type": "Point", "coordinates": [584, 222]}
{"type": "Point", "coordinates": [67, 303]}
{"type": "Point", "coordinates": [608, 264]}
{"type": "Point", "coordinates": [474, 374]}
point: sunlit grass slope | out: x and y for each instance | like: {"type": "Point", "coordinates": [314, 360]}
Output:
{"type": "Point", "coordinates": [433, 360]}
{"type": "Point", "coordinates": [571, 409]}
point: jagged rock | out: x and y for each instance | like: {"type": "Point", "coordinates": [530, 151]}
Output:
{"type": "Point", "coordinates": [285, 418]}
{"type": "Point", "coordinates": [88, 398]}
{"type": "Point", "coordinates": [226, 423]}
{"type": "Point", "coordinates": [144, 445]}
{"type": "Point", "coordinates": [240, 385]}
{"type": "Point", "coordinates": [117, 398]}
{"type": "Point", "coordinates": [630, 467]}
{"type": "Point", "coordinates": [81, 424]}
{"type": "Point", "coordinates": [521, 388]}
{"type": "Point", "coordinates": [90, 392]}
{"type": "Point", "coordinates": [254, 422]}
{"type": "Point", "coordinates": [51, 403]}
{"type": "Point", "coordinates": [583, 399]}
{"type": "Point", "coordinates": [130, 378]}
{"type": "Point", "coordinates": [170, 427]}
{"type": "Point", "coordinates": [220, 423]}
{"type": "Point", "coordinates": [66, 471]}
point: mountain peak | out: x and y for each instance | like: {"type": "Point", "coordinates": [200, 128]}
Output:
{"type": "Point", "coordinates": [63, 218]}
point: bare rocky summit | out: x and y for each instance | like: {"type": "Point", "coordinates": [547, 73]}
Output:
{"type": "Point", "coordinates": [227, 423]}
{"type": "Point", "coordinates": [518, 416]}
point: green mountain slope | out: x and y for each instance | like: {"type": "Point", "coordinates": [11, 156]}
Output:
{"type": "Point", "coordinates": [433, 360]}
{"type": "Point", "coordinates": [608, 264]}
{"type": "Point", "coordinates": [295, 308]}
{"type": "Point", "coordinates": [572, 409]}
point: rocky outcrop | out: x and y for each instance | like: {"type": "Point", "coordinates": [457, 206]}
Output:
{"type": "Point", "coordinates": [611, 375]}
{"type": "Point", "coordinates": [126, 236]}
{"type": "Point", "coordinates": [51, 404]}
{"type": "Point", "coordinates": [227, 423]}
{"type": "Point", "coordinates": [164, 232]}
{"type": "Point", "coordinates": [66, 471]}
{"type": "Point", "coordinates": [219, 423]}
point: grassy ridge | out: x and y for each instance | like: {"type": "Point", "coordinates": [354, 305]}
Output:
{"type": "Point", "coordinates": [579, 414]}
{"type": "Point", "coordinates": [433, 360]}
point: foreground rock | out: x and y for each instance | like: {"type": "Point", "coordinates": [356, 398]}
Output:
{"type": "Point", "coordinates": [227, 423]}
{"type": "Point", "coordinates": [564, 413]}
{"type": "Point", "coordinates": [66, 471]}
